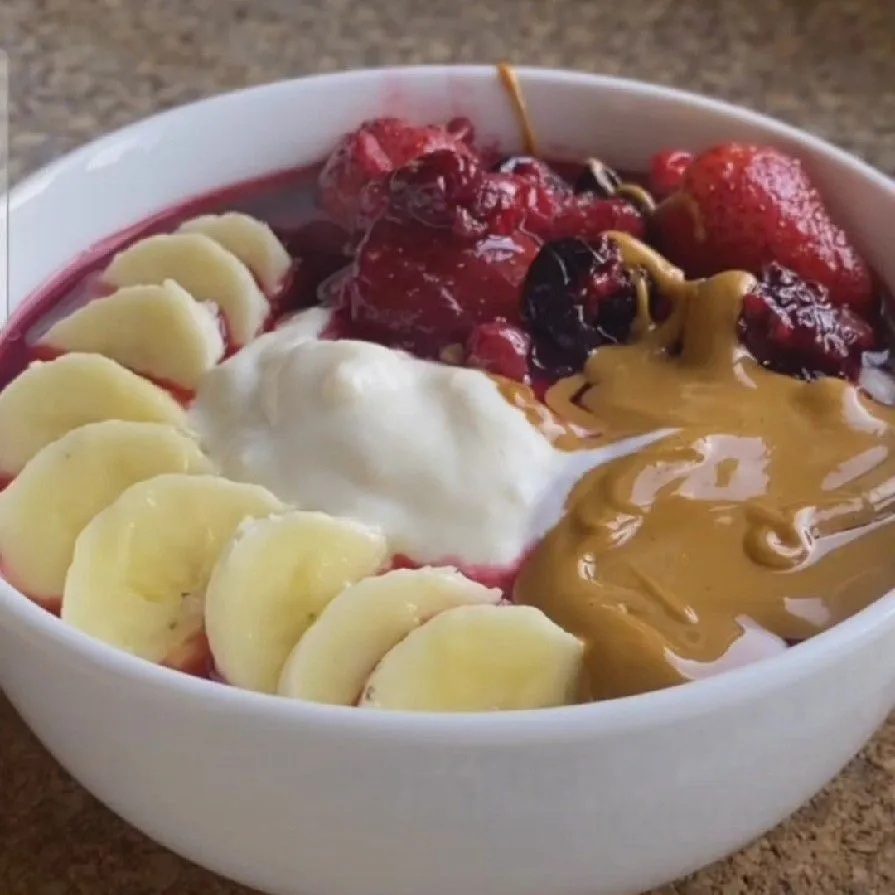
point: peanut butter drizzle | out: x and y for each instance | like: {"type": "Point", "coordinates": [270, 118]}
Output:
{"type": "Point", "coordinates": [638, 195]}
{"type": "Point", "coordinates": [767, 505]}
{"type": "Point", "coordinates": [510, 81]}
{"type": "Point", "coordinates": [565, 432]}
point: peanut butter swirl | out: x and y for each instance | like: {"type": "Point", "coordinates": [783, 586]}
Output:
{"type": "Point", "coordinates": [765, 506]}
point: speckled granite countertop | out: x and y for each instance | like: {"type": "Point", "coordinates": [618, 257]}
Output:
{"type": "Point", "coordinates": [80, 67]}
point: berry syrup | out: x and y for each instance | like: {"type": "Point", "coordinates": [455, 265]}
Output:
{"type": "Point", "coordinates": [284, 200]}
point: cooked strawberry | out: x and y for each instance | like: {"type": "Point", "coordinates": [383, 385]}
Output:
{"type": "Point", "coordinates": [587, 217]}
{"type": "Point", "coordinates": [667, 171]}
{"type": "Point", "coordinates": [559, 212]}
{"type": "Point", "coordinates": [500, 348]}
{"type": "Point", "coordinates": [549, 192]}
{"type": "Point", "coordinates": [410, 290]}
{"type": "Point", "coordinates": [368, 154]}
{"type": "Point", "coordinates": [451, 192]}
{"type": "Point", "coordinates": [742, 206]}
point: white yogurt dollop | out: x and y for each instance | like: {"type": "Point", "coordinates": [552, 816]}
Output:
{"type": "Point", "coordinates": [433, 454]}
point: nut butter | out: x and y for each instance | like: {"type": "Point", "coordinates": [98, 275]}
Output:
{"type": "Point", "coordinates": [765, 509]}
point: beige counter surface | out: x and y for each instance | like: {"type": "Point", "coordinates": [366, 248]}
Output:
{"type": "Point", "coordinates": [81, 67]}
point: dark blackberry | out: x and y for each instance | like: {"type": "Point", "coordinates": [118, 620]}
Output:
{"type": "Point", "coordinates": [598, 179]}
{"type": "Point", "coordinates": [790, 326]}
{"type": "Point", "coordinates": [577, 296]}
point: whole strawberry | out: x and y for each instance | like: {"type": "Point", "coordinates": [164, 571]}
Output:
{"type": "Point", "coordinates": [742, 206]}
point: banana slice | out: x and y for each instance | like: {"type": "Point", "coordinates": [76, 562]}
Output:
{"type": "Point", "coordinates": [68, 482]}
{"type": "Point", "coordinates": [141, 566]}
{"type": "Point", "coordinates": [273, 580]}
{"type": "Point", "coordinates": [479, 659]}
{"type": "Point", "coordinates": [51, 398]}
{"type": "Point", "coordinates": [201, 266]}
{"type": "Point", "coordinates": [251, 240]}
{"type": "Point", "coordinates": [339, 651]}
{"type": "Point", "coordinates": [158, 330]}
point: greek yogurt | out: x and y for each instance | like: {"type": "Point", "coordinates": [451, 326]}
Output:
{"type": "Point", "coordinates": [434, 454]}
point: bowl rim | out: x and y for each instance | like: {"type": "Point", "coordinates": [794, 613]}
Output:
{"type": "Point", "coordinates": [568, 723]}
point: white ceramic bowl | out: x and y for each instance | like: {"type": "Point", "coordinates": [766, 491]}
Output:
{"type": "Point", "coordinates": [309, 800]}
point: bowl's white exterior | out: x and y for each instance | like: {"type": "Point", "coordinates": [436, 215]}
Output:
{"type": "Point", "coordinates": [306, 800]}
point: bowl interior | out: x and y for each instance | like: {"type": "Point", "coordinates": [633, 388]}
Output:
{"type": "Point", "coordinates": [121, 179]}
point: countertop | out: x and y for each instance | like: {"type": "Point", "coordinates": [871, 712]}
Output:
{"type": "Point", "coordinates": [81, 67]}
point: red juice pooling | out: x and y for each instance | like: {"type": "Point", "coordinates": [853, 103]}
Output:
{"type": "Point", "coordinates": [500, 578]}
{"type": "Point", "coordinates": [284, 200]}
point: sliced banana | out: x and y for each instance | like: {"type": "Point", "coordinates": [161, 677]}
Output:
{"type": "Point", "coordinates": [337, 654]}
{"type": "Point", "coordinates": [141, 566]}
{"type": "Point", "coordinates": [51, 398]}
{"type": "Point", "coordinates": [251, 240]}
{"type": "Point", "coordinates": [479, 659]}
{"type": "Point", "coordinates": [157, 330]}
{"type": "Point", "coordinates": [273, 580]}
{"type": "Point", "coordinates": [201, 266]}
{"type": "Point", "coordinates": [68, 482]}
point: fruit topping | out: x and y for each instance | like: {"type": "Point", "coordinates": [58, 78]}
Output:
{"type": "Point", "coordinates": [598, 180]}
{"type": "Point", "coordinates": [250, 240]}
{"type": "Point", "coordinates": [203, 267]}
{"type": "Point", "coordinates": [165, 535]}
{"type": "Point", "coordinates": [367, 155]}
{"type": "Point", "coordinates": [479, 658]}
{"type": "Point", "coordinates": [639, 197]}
{"type": "Point", "coordinates": [667, 170]}
{"type": "Point", "coordinates": [160, 331]}
{"type": "Point", "coordinates": [499, 348]}
{"type": "Point", "coordinates": [549, 192]}
{"type": "Point", "coordinates": [409, 290]}
{"type": "Point", "coordinates": [338, 653]}
{"type": "Point", "coordinates": [51, 398]}
{"type": "Point", "coordinates": [272, 582]}
{"type": "Point", "coordinates": [791, 326]}
{"type": "Point", "coordinates": [77, 476]}
{"type": "Point", "coordinates": [461, 128]}
{"type": "Point", "coordinates": [741, 207]}
{"type": "Point", "coordinates": [446, 190]}
{"type": "Point", "coordinates": [577, 296]}
{"type": "Point", "coordinates": [557, 211]}
{"type": "Point", "coordinates": [536, 172]}
{"type": "Point", "coordinates": [587, 218]}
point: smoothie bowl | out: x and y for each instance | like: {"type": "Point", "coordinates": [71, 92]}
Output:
{"type": "Point", "coordinates": [450, 479]}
